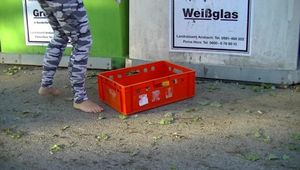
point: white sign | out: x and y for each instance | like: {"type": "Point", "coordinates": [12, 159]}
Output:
{"type": "Point", "coordinates": [37, 28]}
{"type": "Point", "coordinates": [210, 26]}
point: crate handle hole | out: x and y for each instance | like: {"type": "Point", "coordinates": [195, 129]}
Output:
{"type": "Point", "coordinates": [119, 76]}
{"type": "Point", "coordinates": [165, 83]}
{"type": "Point", "coordinates": [152, 68]}
{"type": "Point", "coordinates": [138, 91]}
{"type": "Point", "coordinates": [111, 77]}
{"type": "Point", "coordinates": [145, 70]}
{"type": "Point", "coordinates": [175, 81]}
{"type": "Point", "coordinates": [132, 72]}
{"type": "Point", "coordinates": [177, 71]}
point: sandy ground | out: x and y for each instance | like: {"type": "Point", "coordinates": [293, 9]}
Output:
{"type": "Point", "coordinates": [225, 126]}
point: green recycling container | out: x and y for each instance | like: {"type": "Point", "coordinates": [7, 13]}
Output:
{"type": "Point", "coordinates": [108, 22]}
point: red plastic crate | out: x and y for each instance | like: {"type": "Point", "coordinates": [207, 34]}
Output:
{"type": "Point", "coordinates": [134, 89]}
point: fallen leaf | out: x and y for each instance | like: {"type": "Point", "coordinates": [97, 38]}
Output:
{"type": "Point", "coordinates": [169, 114]}
{"type": "Point", "coordinates": [156, 138]}
{"type": "Point", "coordinates": [13, 133]}
{"type": "Point", "coordinates": [204, 102]}
{"type": "Point", "coordinates": [69, 99]}
{"type": "Point", "coordinates": [249, 111]}
{"type": "Point", "coordinates": [297, 89]}
{"type": "Point", "coordinates": [35, 115]}
{"type": "Point", "coordinates": [166, 121]}
{"type": "Point", "coordinates": [296, 136]}
{"type": "Point", "coordinates": [216, 104]}
{"type": "Point", "coordinates": [178, 136]}
{"type": "Point", "coordinates": [272, 157]}
{"type": "Point", "coordinates": [173, 167]}
{"type": "Point", "coordinates": [25, 114]}
{"type": "Point", "coordinates": [251, 157]}
{"type": "Point", "coordinates": [267, 139]}
{"type": "Point", "coordinates": [197, 119]}
{"type": "Point", "coordinates": [242, 87]}
{"type": "Point", "coordinates": [72, 144]}
{"type": "Point", "coordinates": [12, 70]}
{"type": "Point", "coordinates": [102, 137]}
{"type": "Point", "coordinates": [91, 75]}
{"type": "Point", "coordinates": [56, 135]}
{"type": "Point", "coordinates": [149, 122]}
{"type": "Point", "coordinates": [259, 134]}
{"type": "Point", "coordinates": [56, 148]}
{"type": "Point", "coordinates": [65, 127]}
{"type": "Point", "coordinates": [134, 153]}
{"type": "Point", "coordinates": [260, 112]}
{"type": "Point", "coordinates": [191, 110]}
{"type": "Point", "coordinates": [283, 86]}
{"type": "Point", "coordinates": [273, 94]}
{"type": "Point", "coordinates": [285, 157]}
{"type": "Point", "coordinates": [101, 117]}
{"type": "Point", "coordinates": [267, 86]}
{"type": "Point", "coordinates": [212, 88]}
{"type": "Point", "coordinates": [257, 89]}
{"type": "Point", "coordinates": [293, 147]}
{"type": "Point", "coordinates": [123, 117]}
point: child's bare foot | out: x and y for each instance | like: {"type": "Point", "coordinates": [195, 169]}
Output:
{"type": "Point", "coordinates": [88, 106]}
{"type": "Point", "coordinates": [44, 91]}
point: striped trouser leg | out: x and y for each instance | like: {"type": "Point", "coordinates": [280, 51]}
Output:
{"type": "Point", "coordinates": [72, 18]}
{"type": "Point", "coordinates": [55, 48]}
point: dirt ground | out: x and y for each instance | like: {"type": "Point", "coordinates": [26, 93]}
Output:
{"type": "Point", "coordinates": [225, 126]}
